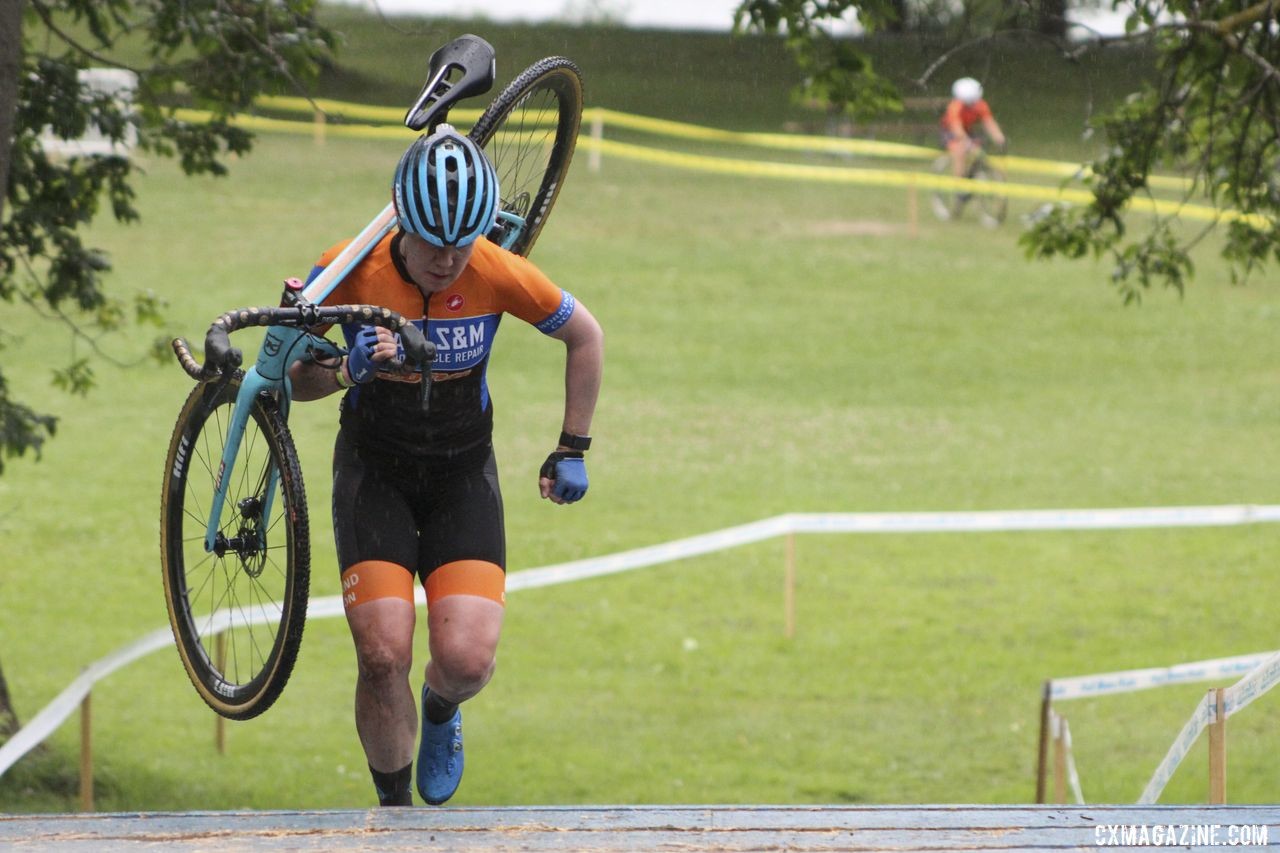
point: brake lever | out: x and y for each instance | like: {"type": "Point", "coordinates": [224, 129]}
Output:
{"type": "Point", "coordinates": [421, 352]}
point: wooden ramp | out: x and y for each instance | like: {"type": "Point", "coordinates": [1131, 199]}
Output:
{"type": "Point", "coordinates": [639, 828]}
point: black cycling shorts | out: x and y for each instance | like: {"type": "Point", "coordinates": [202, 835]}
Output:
{"type": "Point", "coordinates": [416, 513]}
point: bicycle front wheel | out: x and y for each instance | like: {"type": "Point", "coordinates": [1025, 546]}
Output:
{"type": "Point", "coordinates": [993, 204]}
{"type": "Point", "coordinates": [238, 611]}
{"type": "Point", "coordinates": [946, 204]}
{"type": "Point", "coordinates": [529, 132]}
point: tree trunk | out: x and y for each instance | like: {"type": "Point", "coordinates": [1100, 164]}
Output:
{"type": "Point", "coordinates": [10, 68]}
{"type": "Point", "coordinates": [1051, 18]}
{"type": "Point", "coordinates": [8, 719]}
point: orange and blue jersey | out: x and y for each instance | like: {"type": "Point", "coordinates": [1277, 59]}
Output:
{"type": "Point", "coordinates": [959, 117]}
{"type": "Point", "coordinates": [462, 321]}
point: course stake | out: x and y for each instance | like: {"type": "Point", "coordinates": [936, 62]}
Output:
{"type": "Point", "coordinates": [597, 134]}
{"type": "Point", "coordinates": [1218, 749]}
{"type": "Point", "coordinates": [86, 753]}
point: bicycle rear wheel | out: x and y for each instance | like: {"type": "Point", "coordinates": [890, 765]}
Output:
{"type": "Point", "coordinates": [237, 612]}
{"type": "Point", "coordinates": [529, 132]}
{"type": "Point", "coordinates": [993, 204]}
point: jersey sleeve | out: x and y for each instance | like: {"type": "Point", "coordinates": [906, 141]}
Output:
{"type": "Point", "coordinates": [527, 293]}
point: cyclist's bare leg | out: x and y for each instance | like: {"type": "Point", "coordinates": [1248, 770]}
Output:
{"type": "Point", "coordinates": [464, 632]}
{"type": "Point", "coordinates": [465, 605]}
{"type": "Point", "coordinates": [959, 151]}
{"type": "Point", "coordinates": [386, 710]}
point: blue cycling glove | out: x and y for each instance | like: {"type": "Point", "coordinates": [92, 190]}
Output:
{"type": "Point", "coordinates": [569, 471]}
{"type": "Point", "coordinates": [360, 363]}
{"type": "Point", "coordinates": [360, 357]}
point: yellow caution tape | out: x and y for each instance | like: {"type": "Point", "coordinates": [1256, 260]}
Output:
{"type": "Point", "coordinates": [363, 112]}
{"type": "Point", "coordinates": [684, 130]}
{"type": "Point", "coordinates": [782, 141]}
{"type": "Point", "coordinates": [766, 169]}
{"type": "Point", "coordinates": [890, 178]}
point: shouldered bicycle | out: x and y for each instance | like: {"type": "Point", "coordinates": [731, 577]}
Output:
{"type": "Point", "coordinates": [234, 532]}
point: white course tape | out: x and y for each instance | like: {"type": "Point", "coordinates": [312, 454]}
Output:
{"type": "Point", "coordinates": [1073, 778]}
{"type": "Point", "coordinates": [1059, 729]}
{"type": "Point", "coordinates": [1037, 519]}
{"type": "Point", "coordinates": [48, 719]}
{"type": "Point", "coordinates": [65, 703]}
{"type": "Point", "coordinates": [1200, 719]}
{"type": "Point", "coordinates": [1143, 679]}
{"type": "Point", "coordinates": [1259, 681]}
{"type": "Point", "coordinates": [623, 561]}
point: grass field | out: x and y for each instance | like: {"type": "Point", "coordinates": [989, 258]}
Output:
{"type": "Point", "coordinates": [772, 347]}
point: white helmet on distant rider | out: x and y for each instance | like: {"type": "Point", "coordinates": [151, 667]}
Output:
{"type": "Point", "coordinates": [967, 91]}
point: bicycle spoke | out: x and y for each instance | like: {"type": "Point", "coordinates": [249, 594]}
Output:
{"type": "Point", "coordinates": [521, 152]}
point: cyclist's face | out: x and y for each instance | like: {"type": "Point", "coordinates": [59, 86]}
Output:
{"type": "Point", "coordinates": [434, 268]}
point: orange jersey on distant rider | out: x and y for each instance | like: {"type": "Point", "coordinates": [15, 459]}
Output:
{"type": "Point", "coordinates": [960, 117]}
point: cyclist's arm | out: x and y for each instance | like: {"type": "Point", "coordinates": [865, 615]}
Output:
{"type": "Point", "coordinates": [992, 127]}
{"type": "Point", "coordinates": [952, 123]}
{"type": "Point", "coordinates": [583, 369]}
{"type": "Point", "coordinates": [313, 382]}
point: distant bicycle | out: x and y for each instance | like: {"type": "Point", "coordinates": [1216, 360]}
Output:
{"type": "Point", "coordinates": [992, 204]}
{"type": "Point", "coordinates": [234, 531]}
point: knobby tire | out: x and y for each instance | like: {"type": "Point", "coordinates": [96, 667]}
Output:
{"type": "Point", "coordinates": [530, 131]}
{"type": "Point", "coordinates": [260, 588]}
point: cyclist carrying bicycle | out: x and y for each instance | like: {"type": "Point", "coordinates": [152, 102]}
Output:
{"type": "Point", "coordinates": [417, 495]}
{"type": "Point", "coordinates": [964, 112]}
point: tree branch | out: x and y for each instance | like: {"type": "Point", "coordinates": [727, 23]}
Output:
{"type": "Point", "coordinates": [923, 80]}
{"type": "Point", "coordinates": [1245, 17]}
{"type": "Point", "coordinates": [43, 11]}
{"type": "Point", "coordinates": [77, 331]}
{"type": "Point", "coordinates": [1253, 56]}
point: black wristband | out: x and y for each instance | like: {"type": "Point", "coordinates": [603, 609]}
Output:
{"type": "Point", "coordinates": [575, 442]}
{"type": "Point", "coordinates": [548, 469]}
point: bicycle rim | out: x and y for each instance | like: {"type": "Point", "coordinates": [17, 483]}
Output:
{"type": "Point", "coordinates": [992, 206]}
{"type": "Point", "coordinates": [238, 615]}
{"type": "Point", "coordinates": [529, 132]}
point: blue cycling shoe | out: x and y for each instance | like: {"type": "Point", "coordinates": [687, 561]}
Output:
{"type": "Point", "coordinates": [439, 758]}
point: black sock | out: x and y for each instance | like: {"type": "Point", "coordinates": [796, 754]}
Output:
{"type": "Point", "coordinates": [437, 710]}
{"type": "Point", "coordinates": [394, 789]}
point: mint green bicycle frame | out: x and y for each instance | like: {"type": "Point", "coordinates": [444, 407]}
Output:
{"type": "Point", "coordinates": [270, 374]}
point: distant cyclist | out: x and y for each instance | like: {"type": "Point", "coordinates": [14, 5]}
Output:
{"type": "Point", "coordinates": [963, 114]}
{"type": "Point", "coordinates": [417, 495]}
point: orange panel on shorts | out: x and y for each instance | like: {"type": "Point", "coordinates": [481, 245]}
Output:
{"type": "Point", "coordinates": [373, 579]}
{"type": "Point", "coordinates": [468, 577]}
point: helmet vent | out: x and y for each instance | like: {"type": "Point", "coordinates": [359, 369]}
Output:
{"type": "Point", "coordinates": [445, 189]}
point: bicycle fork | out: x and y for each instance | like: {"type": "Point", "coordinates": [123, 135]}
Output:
{"type": "Point", "coordinates": [268, 374]}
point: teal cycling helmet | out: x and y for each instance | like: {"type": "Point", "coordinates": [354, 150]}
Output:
{"type": "Point", "coordinates": [445, 189]}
